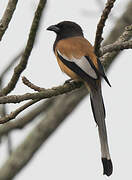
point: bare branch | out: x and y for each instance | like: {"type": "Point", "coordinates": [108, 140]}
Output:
{"type": "Point", "coordinates": [7, 137]}
{"type": "Point", "coordinates": [13, 114]}
{"type": "Point", "coordinates": [26, 119]}
{"type": "Point", "coordinates": [58, 90]}
{"type": "Point", "coordinates": [31, 85]}
{"type": "Point", "coordinates": [121, 23]}
{"type": "Point", "coordinates": [107, 58]}
{"type": "Point", "coordinates": [54, 91]}
{"type": "Point", "coordinates": [126, 35]}
{"type": "Point", "coordinates": [122, 42]}
{"type": "Point", "coordinates": [47, 93]}
{"type": "Point", "coordinates": [101, 4]}
{"type": "Point", "coordinates": [116, 47]}
{"type": "Point", "coordinates": [40, 133]}
{"type": "Point", "coordinates": [22, 155]}
{"type": "Point", "coordinates": [4, 22]}
{"type": "Point", "coordinates": [23, 63]}
{"type": "Point", "coordinates": [100, 26]}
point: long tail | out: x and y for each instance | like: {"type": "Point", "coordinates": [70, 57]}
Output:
{"type": "Point", "coordinates": [99, 116]}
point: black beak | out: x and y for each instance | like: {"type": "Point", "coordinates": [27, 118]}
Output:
{"type": "Point", "coordinates": [53, 28]}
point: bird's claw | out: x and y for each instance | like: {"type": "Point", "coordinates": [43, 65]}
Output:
{"type": "Point", "coordinates": [68, 81]}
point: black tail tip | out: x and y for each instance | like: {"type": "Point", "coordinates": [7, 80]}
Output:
{"type": "Point", "coordinates": [108, 167]}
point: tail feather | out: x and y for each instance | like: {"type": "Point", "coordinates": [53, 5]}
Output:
{"type": "Point", "coordinates": [99, 116]}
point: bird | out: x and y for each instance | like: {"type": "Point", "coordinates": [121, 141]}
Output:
{"type": "Point", "coordinates": [76, 58]}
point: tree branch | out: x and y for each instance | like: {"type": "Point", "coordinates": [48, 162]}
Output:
{"type": "Point", "coordinates": [26, 119]}
{"type": "Point", "coordinates": [106, 60]}
{"type": "Point", "coordinates": [100, 26]}
{"type": "Point", "coordinates": [121, 23]}
{"type": "Point", "coordinates": [120, 44]}
{"type": "Point", "coordinates": [7, 137]}
{"type": "Point", "coordinates": [4, 22]}
{"type": "Point", "coordinates": [13, 114]}
{"type": "Point", "coordinates": [31, 85]}
{"type": "Point", "coordinates": [23, 63]}
{"type": "Point", "coordinates": [117, 46]}
{"type": "Point", "coordinates": [22, 155]}
{"type": "Point", "coordinates": [40, 133]}
{"type": "Point", "coordinates": [47, 93]}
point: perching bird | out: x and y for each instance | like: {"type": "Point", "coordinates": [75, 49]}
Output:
{"type": "Point", "coordinates": [76, 58]}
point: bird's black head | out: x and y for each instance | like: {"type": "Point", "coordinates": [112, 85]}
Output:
{"type": "Point", "coordinates": [66, 29]}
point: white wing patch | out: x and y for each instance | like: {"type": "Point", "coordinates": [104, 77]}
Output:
{"type": "Point", "coordinates": [83, 63]}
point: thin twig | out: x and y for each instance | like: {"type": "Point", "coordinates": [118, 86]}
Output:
{"type": "Point", "coordinates": [23, 63]}
{"type": "Point", "coordinates": [4, 22]}
{"type": "Point", "coordinates": [47, 93]}
{"type": "Point", "coordinates": [106, 60]}
{"type": "Point", "coordinates": [52, 92]}
{"type": "Point", "coordinates": [43, 130]}
{"type": "Point", "coordinates": [101, 4]}
{"type": "Point", "coordinates": [13, 114]}
{"type": "Point", "coordinates": [24, 152]}
{"type": "Point", "coordinates": [31, 85]}
{"type": "Point", "coordinates": [100, 26]}
{"type": "Point", "coordinates": [26, 119]}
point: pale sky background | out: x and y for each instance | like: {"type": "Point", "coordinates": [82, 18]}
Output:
{"type": "Point", "coordinates": [73, 152]}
